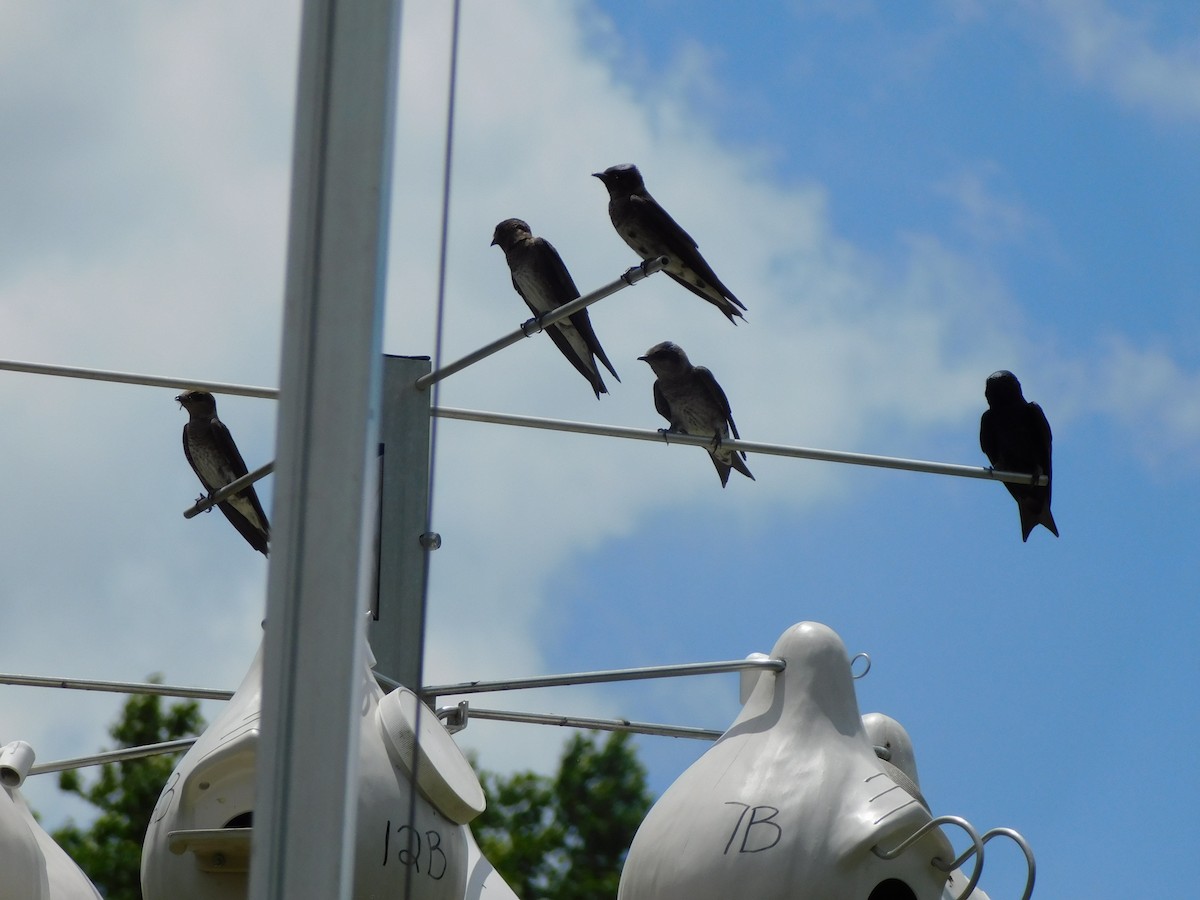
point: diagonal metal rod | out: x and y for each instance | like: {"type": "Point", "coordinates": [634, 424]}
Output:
{"type": "Point", "coordinates": [110, 756]}
{"type": "Point", "coordinates": [433, 691]}
{"type": "Point", "coordinates": [839, 456]}
{"type": "Point", "coordinates": [206, 503]}
{"type": "Point", "coordinates": [115, 687]}
{"type": "Point", "coordinates": [538, 323]}
{"type": "Point", "coordinates": [213, 387]}
{"type": "Point", "coordinates": [527, 718]}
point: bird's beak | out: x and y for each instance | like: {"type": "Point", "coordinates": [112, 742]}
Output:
{"type": "Point", "coordinates": [599, 175]}
{"type": "Point", "coordinates": [179, 399]}
{"type": "Point", "coordinates": [493, 243]}
{"type": "Point", "coordinates": [643, 359]}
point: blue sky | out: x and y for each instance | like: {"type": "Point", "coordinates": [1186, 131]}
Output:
{"type": "Point", "coordinates": [907, 198]}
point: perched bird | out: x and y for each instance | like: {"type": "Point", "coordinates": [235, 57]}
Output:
{"type": "Point", "coordinates": [215, 459]}
{"type": "Point", "coordinates": [544, 284]}
{"type": "Point", "coordinates": [690, 399]}
{"type": "Point", "coordinates": [1016, 438]}
{"type": "Point", "coordinates": [651, 232]}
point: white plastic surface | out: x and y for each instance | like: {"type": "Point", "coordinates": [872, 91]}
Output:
{"type": "Point", "coordinates": [443, 774]}
{"type": "Point", "coordinates": [32, 865]}
{"type": "Point", "coordinates": [196, 846]}
{"type": "Point", "coordinates": [789, 802]}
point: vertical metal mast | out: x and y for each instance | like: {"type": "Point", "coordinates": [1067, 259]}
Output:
{"type": "Point", "coordinates": [304, 818]}
{"type": "Point", "coordinates": [396, 628]}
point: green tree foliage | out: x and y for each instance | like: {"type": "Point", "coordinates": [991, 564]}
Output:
{"type": "Point", "coordinates": [110, 851]}
{"type": "Point", "coordinates": [565, 837]}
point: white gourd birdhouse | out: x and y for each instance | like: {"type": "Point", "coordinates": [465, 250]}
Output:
{"type": "Point", "coordinates": [793, 801]}
{"type": "Point", "coordinates": [198, 843]}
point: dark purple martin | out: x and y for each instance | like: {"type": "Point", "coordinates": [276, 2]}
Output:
{"type": "Point", "coordinates": [542, 280]}
{"type": "Point", "coordinates": [690, 399]}
{"type": "Point", "coordinates": [651, 232]}
{"type": "Point", "coordinates": [214, 458]}
{"type": "Point", "coordinates": [1016, 438]}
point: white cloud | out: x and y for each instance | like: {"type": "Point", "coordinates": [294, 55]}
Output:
{"type": "Point", "coordinates": [1119, 53]}
{"type": "Point", "coordinates": [989, 214]}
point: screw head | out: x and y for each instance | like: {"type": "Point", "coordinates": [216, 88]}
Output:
{"type": "Point", "coordinates": [430, 540]}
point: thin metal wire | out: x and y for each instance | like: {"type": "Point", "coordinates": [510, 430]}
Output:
{"type": "Point", "coordinates": [530, 327]}
{"type": "Point", "coordinates": [443, 253]}
{"type": "Point", "coordinates": [603, 676]}
{"type": "Point", "coordinates": [213, 387]}
{"type": "Point", "coordinates": [207, 503]}
{"type": "Point", "coordinates": [527, 718]}
{"type": "Point", "coordinates": [110, 756]}
{"type": "Point", "coordinates": [644, 434]}
{"type": "Point", "coordinates": [115, 687]}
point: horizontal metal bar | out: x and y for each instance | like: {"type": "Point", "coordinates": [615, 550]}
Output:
{"type": "Point", "coordinates": [641, 434]}
{"type": "Point", "coordinates": [676, 731]}
{"type": "Point", "coordinates": [233, 487]}
{"type": "Point", "coordinates": [109, 756]}
{"type": "Point", "coordinates": [539, 323]}
{"type": "Point", "coordinates": [599, 677]}
{"type": "Point", "coordinates": [115, 687]}
{"type": "Point", "coordinates": [213, 387]}
{"type": "Point", "coordinates": [644, 434]}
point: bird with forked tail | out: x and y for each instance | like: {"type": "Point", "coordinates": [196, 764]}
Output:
{"type": "Point", "coordinates": [651, 232]}
{"type": "Point", "coordinates": [215, 459]}
{"type": "Point", "coordinates": [1015, 436]}
{"type": "Point", "coordinates": [690, 399]}
{"type": "Point", "coordinates": [541, 278]}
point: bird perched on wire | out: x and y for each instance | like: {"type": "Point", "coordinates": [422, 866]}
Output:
{"type": "Point", "coordinates": [1015, 436]}
{"type": "Point", "coordinates": [542, 280]}
{"type": "Point", "coordinates": [215, 459]}
{"type": "Point", "coordinates": [690, 399]}
{"type": "Point", "coordinates": [651, 232]}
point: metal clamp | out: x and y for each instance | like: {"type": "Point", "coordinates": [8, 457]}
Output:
{"type": "Point", "coordinates": [455, 718]}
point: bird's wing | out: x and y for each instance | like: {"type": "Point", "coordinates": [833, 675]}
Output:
{"type": "Point", "coordinates": [224, 441]}
{"type": "Point", "coordinates": [661, 404]}
{"type": "Point", "coordinates": [987, 436]}
{"type": "Point", "coordinates": [187, 451]}
{"type": "Point", "coordinates": [581, 365]}
{"type": "Point", "coordinates": [559, 280]}
{"type": "Point", "coordinates": [562, 287]}
{"type": "Point", "coordinates": [647, 208]}
{"type": "Point", "coordinates": [681, 245]}
{"type": "Point", "coordinates": [583, 325]}
{"type": "Point", "coordinates": [256, 537]}
{"type": "Point", "coordinates": [1045, 438]}
{"type": "Point", "coordinates": [705, 377]}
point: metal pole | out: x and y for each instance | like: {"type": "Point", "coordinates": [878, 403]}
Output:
{"type": "Point", "coordinates": [430, 693]}
{"type": "Point", "coordinates": [184, 384]}
{"type": "Point", "coordinates": [395, 628]}
{"type": "Point", "coordinates": [232, 488]}
{"type": "Point", "coordinates": [115, 687]}
{"type": "Point", "coordinates": [110, 756]}
{"type": "Point", "coordinates": [525, 718]}
{"type": "Point", "coordinates": [327, 438]}
{"type": "Point", "coordinates": [539, 323]}
{"type": "Point", "coordinates": [839, 456]}
{"type": "Point", "coordinates": [641, 434]}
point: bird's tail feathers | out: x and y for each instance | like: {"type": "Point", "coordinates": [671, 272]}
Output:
{"type": "Point", "coordinates": [738, 463]}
